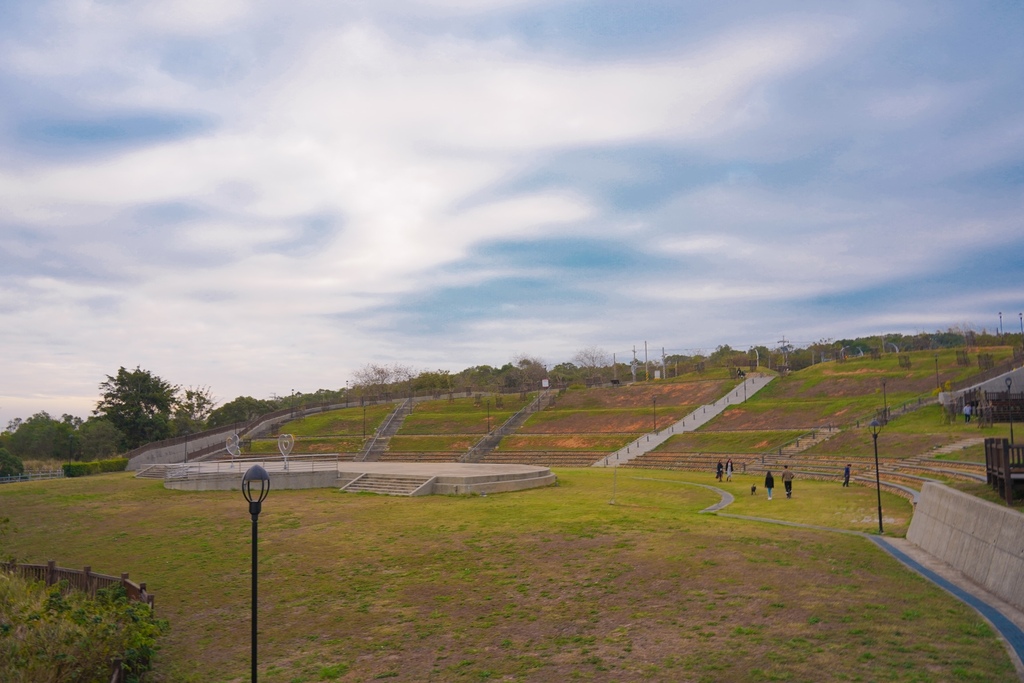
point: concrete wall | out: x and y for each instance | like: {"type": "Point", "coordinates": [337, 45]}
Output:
{"type": "Point", "coordinates": [982, 540]}
{"type": "Point", "coordinates": [281, 480]}
{"type": "Point", "coordinates": [996, 384]}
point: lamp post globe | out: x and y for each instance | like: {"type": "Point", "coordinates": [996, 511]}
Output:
{"type": "Point", "coordinates": [876, 426]}
{"type": "Point", "coordinates": [255, 487]}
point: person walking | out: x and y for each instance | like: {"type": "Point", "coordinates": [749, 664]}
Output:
{"type": "Point", "coordinates": [728, 470]}
{"type": "Point", "coordinates": [787, 480]}
{"type": "Point", "coordinates": [967, 412]}
{"type": "Point", "coordinates": [769, 483]}
{"type": "Point", "coordinates": [846, 475]}
{"type": "Point", "coordinates": [718, 471]}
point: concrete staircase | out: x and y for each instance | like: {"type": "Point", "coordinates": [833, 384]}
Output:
{"type": "Point", "coordinates": [390, 484]}
{"type": "Point", "coordinates": [153, 472]}
{"type": "Point", "coordinates": [807, 441]}
{"type": "Point", "coordinates": [379, 443]}
{"type": "Point", "coordinates": [490, 442]}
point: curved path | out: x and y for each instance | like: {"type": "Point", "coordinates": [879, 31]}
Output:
{"type": "Point", "coordinates": [1005, 619]}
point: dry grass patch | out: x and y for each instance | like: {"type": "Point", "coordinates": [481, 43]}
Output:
{"type": "Point", "coordinates": [550, 584]}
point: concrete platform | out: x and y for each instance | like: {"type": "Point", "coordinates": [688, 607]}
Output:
{"type": "Point", "coordinates": [435, 478]}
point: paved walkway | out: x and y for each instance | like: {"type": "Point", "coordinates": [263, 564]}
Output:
{"type": "Point", "coordinates": [1006, 619]}
{"type": "Point", "coordinates": [648, 442]}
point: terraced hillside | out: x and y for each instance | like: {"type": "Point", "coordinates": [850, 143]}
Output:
{"type": "Point", "coordinates": [581, 425]}
{"type": "Point", "coordinates": [813, 421]}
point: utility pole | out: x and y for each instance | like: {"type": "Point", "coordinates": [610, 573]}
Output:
{"type": "Point", "coordinates": [647, 365]}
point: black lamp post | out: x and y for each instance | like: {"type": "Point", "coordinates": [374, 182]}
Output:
{"type": "Point", "coordinates": [1000, 325]}
{"type": "Point", "coordinates": [364, 420]}
{"type": "Point", "coordinates": [876, 426]}
{"type": "Point", "coordinates": [488, 416]}
{"type": "Point", "coordinates": [1009, 404]}
{"type": "Point", "coordinates": [253, 477]}
{"type": "Point", "coordinates": [937, 385]}
{"type": "Point", "coordinates": [885, 405]}
{"type": "Point", "coordinates": [654, 400]}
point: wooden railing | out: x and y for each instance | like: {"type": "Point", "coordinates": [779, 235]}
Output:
{"type": "Point", "coordinates": [84, 580]}
{"type": "Point", "coordinates": [88, 582]}
{"type": "Point", "coordinates": [1004, 462]}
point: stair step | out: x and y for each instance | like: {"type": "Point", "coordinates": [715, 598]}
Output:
{"type": "Point", "coordinates": [393, 485]}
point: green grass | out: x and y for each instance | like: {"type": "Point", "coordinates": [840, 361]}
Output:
{"type": "Point", "coordinates": [434, 443]}
{"type": "Point", "coordinates": [309, 445]}
{"type": "Point", "coordinates": [550, 584]}
{"type": "Point", "coordinates": [564, 442]}
{"type": "Point", "coordinates": [728, 442]}
{"type": "Point", "coordinates": [343, 422]}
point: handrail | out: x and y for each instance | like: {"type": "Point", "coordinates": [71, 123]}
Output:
{"type": "Point", "coordinates": [500, 432]}
{"type": "Point", "coordinates": [81, 579]}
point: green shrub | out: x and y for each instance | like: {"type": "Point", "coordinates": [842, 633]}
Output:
{"type": "Point", "coordinates": [51, 634]}
{"type": "Point", "coordinates": [10, 465]}
{"type": "Point", "coordinates": [82, 469]}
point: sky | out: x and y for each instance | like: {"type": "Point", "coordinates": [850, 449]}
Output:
{"type": "Point", "coordinates": [261, 197]}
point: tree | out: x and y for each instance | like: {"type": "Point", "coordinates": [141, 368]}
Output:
{"type": "Point", "coordinates": [440, 381]}
{"type": "Point", "coordinates": [241, 409]}
{"type": "Point", "coordinates": [41, 437]}
{"type": "Point", "coordinates": [10, 465]}
{"type": "Point", "coordinates": [98, 439]}
{"type": "Point", "coordinates": [192, 410]}
{"type": "Point", "coordinates": [139, 404]}
{"type": "Point", "coordinates": [591, 360]}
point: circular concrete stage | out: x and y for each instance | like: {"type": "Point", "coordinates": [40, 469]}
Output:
{"type": "Point", "coordinates": [393, 478]}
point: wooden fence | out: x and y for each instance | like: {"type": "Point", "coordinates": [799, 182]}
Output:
{"type": "Point", "coordinates": [86, 581]}
{"type": "Point", "coordinates": [80, 579]}
{"type": "Point", "coordinates": [1004, 466]}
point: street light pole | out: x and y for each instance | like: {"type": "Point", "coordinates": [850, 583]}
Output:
{"type": "Point", "coordinates": [1009, 404]}
{"type": "Point", "coordinates": [255, 499]}
{"type": "Point", "coordinates": [875, 427]}
{"type": "Point", "coordinates": [937, 385]}
{"type": "Point", "coordinates": [885, 405]}
{"type": "Point", "coordinates": [654, 399]}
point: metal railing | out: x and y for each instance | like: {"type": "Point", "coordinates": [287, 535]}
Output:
{"type": "Point", "coordinates": [33, 476]}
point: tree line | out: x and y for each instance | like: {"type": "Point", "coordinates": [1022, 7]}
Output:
{"type": "Point", "coordinates": [137, 407]}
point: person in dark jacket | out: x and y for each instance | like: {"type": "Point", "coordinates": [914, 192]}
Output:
{"type": "Point", "coordinates": [718, 472]}
{"type": "Point", "coordinates": [769, 483]}
{"type": "Point", "coordinates": [846, 475]}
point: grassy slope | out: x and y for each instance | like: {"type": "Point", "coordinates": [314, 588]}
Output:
{"type": "Point", "coordinates": [544, 585]}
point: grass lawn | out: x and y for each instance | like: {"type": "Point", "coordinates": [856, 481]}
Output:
{"type": "Point", "coordinates": [728, 442]}
{"type": "Point", "coordinates": [551, 584]}
{"type": "Point", "coordinates": [343, 422]}
{"type": "Point", "coordinates": [564, 442]}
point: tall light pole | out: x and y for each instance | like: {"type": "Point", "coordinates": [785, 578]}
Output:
{"type": "Point", "coordinates": [1009, 404]}
{"type": "Point", "coordinates": [937, 385]}
{"type": "Point", "coordinates": [255, 499]}
{"type": "Point", "coordinates": [885, 405]}
{"type": "Point", "coordinates": [654, 400]}
{"type": "Point", "coordinates": [1000, 325]}
{"type": "Point", "coordinates": [876, 426]}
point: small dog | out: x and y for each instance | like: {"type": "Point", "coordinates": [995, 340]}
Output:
{"type": "Point", "coordinates": [753, 489]}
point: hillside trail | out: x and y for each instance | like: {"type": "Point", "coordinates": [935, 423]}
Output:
{"type": "Point", "coordinates": [701, 416]}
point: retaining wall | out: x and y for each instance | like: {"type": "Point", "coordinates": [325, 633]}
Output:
{"type": "Point", "coordinates": [982, 540]}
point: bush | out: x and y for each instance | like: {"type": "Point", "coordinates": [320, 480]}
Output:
{"type": "Point", "coordinates": [82, 469]}
{"type": "Point", "coordinates": [50, 634]}
{"type": "Point", "coordinates": [10, 465]}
